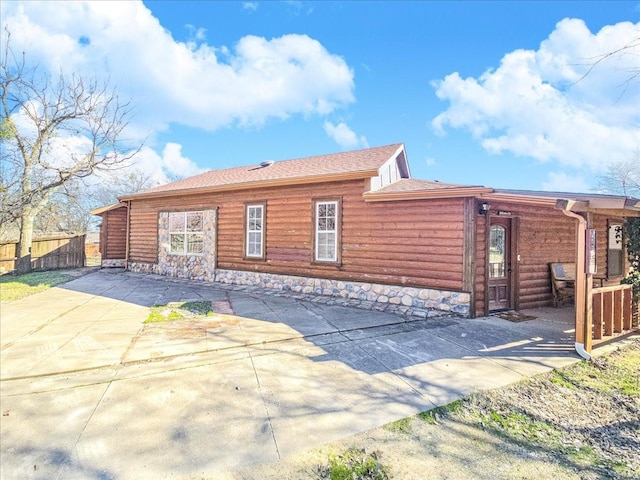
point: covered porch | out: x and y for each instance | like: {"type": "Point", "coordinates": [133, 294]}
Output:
{"type": "Point", "coordinates": [528, 234]}
{"type": "Point", "coordinates": [602, 311]}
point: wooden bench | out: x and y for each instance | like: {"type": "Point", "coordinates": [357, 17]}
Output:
{"type": "Point", "coordinates": [563, 282]}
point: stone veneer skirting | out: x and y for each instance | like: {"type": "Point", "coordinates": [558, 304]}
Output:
{"type": "Point", "coordinates": [420, 298]}
{"type": "Point", "coordinates": [142, 267]}
{"type": "Point", "coordinates": [415, 299]}
{"type": "Point", "coordinates": [113, 263]}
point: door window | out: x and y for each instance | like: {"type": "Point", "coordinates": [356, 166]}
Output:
{"type": "Point", "coordinates": [497, 252]}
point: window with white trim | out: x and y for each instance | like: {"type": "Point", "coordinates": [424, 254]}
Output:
{"type": "Point", "coordinates": [254, 230]}
{"type": "Point", "coordinates": [327, 234]}
{"type": "Point", "coordinates": [186, 233]}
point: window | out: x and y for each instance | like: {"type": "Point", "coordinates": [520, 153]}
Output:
{"type": "Point", "coordinates": [186, 233]}
{"type": "Point", "coordinates": [615, 251]}
{"type": "Point", "coordinates": [497, 251]}
{"type": "Point", "coordinates": [327, 231]}
{"type": "Point", "coordinates": [254, 230]}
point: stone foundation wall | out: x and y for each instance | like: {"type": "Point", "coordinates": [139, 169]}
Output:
{"type": "Point", "coordinates": [415, 298]}
{"type": "Point", "coordinates": [112, 263]}
{"type": "Point", "coordinates": [140, 267]}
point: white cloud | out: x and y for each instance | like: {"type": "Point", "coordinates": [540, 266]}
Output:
{"type": "Point", "coordinates": [565, 182]}
{"type": "Point", "coordinates": [171, 165]}
{"type": "Point", "coordinates": [540, 104]}
{"type": "Point", "coordinates": [250, 6]}
{"type": "Point", "coordinates": [344, 136]}
{"type": "Point", "coordinates": [430, 161]}
{"type": "Point", "coordinates": [175, 164]}
{"type": "Point", "coordinates": [193, 83]}
{"type": "Point", "coordinates": [196, 36]}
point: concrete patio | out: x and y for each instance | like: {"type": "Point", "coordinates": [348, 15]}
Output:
{"type": "Point", "coordinates": [88, 392]}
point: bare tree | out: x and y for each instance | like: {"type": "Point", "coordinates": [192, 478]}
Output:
{"type": "Point", "coordinates": [124, 182]}
{"type": "Point", "coordinates": [622, 177]}
{"type": "Point", "coordinates": [52, 133]}
{"type": "Point", "coordinates": [631, 48]}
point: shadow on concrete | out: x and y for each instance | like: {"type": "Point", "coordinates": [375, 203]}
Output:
{"type": "Point", "coordinates": [288, 373]}
{"type": "Point", "coordinates": [365, 340]}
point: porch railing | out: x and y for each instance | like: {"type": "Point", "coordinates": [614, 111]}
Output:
{"type": "Point", "coordinates": [612, 311]}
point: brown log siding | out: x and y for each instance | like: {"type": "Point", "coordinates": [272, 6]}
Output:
{"type": "Point", "coordinates": [417, 243]}
{"type": "Point", "coordinates": [113, 234]}
{"type": "Point", "coordinates": [481, 264]}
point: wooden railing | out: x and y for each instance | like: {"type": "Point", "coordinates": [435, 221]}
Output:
{"type": "Point", "coordinates": [612, 311]}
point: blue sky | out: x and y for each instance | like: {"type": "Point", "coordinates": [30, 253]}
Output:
{"type": "Point", "coordinates": [482, 93]}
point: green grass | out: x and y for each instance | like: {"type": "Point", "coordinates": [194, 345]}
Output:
{"type": "Point", "coordinates": [561, 378]}
{"type": "Point", "coordinates": [354, 464]}
{"type": "Point", "coordinates": [179, 311]}
{"type": "Point", "coordinates": [400, 426]}
{"type": "Point", "coordinates": [608, 375]}
{"type": "Point", "coordinates": [520, 426]}
{"type": "Point", "coordinates": [14, 287]}
{"type": "Point", "coordinates": [431, 416]}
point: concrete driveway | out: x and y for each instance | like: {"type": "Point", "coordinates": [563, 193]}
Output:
{"type": "Point", "coordinates": [88, 392]}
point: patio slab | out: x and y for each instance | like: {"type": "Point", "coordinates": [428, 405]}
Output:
{"type": "Point", "coordinates": [89, 394]}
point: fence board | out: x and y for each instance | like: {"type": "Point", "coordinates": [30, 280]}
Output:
{"type": "Point", "coordinates": [597, 316]}
{"type": "Point", "coordinates": [627, 309]}
{"type": "Point", "coordinates": [607, 298]}
{"type": "Point", "coordinates": [617, 311]}
{"type": "Point", "coordinates": [47, 253]}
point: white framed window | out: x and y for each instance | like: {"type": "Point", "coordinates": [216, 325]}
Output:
{"type": "Point", "coordinates": [186, 233]}
{"type": "Point", "coordinates": [327, 231]}
{"type": "Point", "coordinates": [254, 230]}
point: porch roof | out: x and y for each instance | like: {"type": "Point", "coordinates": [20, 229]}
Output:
{"type": "Point", "coordinates": [413, 189]}
{"type": "Point", "coordinates": [604, 204]}
{"type": "Point", "coordinates": [107, 208]}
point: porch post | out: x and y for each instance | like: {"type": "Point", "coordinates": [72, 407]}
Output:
{"type": "Point", "coordinates": [582, 311]}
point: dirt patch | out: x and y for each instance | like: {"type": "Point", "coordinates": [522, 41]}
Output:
{"type": "Point", "coordinates": [581, 422]}
{"type": "Point", "coordinates": [189, 328]}
{"type": "Point", "coordinates": [73, 273]}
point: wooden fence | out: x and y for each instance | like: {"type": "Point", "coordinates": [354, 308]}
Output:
{"type": "Point", "coordinates": [612, 311]}
{"type": "Point", "coordinates": [47, 253]}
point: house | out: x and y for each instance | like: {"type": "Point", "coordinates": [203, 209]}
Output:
{"type": "Point", "coordinates": [357, 225]}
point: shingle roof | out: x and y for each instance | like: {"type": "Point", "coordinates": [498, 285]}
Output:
{"type": "Point", "coordinates": [358, 162]}
{"type": "Point", "coordinates": [414, 185]}
{"type": "Point", "coordinates": [411, 188]}
{"type": "Point", "coordinates": [107, 208]}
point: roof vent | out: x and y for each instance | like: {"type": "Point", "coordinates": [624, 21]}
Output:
{"type": "Point", "coordinates": [266, 163]}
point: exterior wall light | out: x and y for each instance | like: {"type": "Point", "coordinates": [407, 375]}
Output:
{"type": "Point", "coordinates": [484, 208]}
